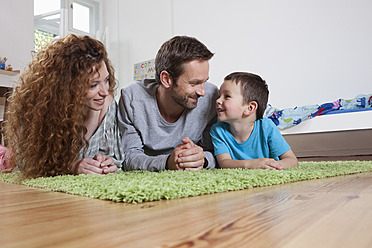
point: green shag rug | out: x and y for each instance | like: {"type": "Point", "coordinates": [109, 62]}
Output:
{"type": "Point", "coordinates": [143, 186]}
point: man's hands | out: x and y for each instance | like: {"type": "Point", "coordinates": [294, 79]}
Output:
{"type": "Point", "coordinates": [98, 165]}
{"type": "Point", "coordinates": [186, 156]}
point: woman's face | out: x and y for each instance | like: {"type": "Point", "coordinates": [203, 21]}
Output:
{"type": "Point", "coordinates": [99, 86]}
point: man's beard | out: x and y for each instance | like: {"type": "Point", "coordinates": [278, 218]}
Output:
{"type": "Point", "coordinates": [183, 100]}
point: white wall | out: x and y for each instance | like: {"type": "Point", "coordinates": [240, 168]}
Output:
{"type": "Point", "coordinates": [17, 35]}
{"type": "Point", "coordinates": [144, 26]}
{"type": "Point", "coordinates": [308, 51]}
{"type": "Point", "coordinates": [110, 32]}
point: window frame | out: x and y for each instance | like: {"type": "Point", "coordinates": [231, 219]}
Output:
{"type": "Point", "coordinates": [52, 27]}
{"type": "Point", "coordinates": [94, 18]}
{"type": "Point", "coordinates": [66, 18]}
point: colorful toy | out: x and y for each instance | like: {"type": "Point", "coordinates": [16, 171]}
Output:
{"type": "Point", "coordinates": [2, 63]}
{"type": "Point", "coordinates": [9, 68]}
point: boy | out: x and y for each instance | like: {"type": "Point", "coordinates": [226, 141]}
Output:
{"type": "Point", "coordinates": [243, 138]}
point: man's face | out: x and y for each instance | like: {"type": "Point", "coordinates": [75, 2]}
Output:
{"type": "Point", "coordinates": [191, 84]}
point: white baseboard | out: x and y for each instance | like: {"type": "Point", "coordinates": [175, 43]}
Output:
{"type": "Point", "coordinates": [336, 143]}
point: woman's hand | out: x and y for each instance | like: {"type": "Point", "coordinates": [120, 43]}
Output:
{"type": "Point", "coordinates": [98, 165]}
{"type": "Point", "coordinates": [107, 164]}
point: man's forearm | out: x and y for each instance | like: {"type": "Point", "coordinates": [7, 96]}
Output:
{"type": "Point", "coordinates": [141, 161]}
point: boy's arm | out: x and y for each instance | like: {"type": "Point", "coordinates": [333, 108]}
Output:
{"type": "Point", "coordinates": [225, 161]}
{"type": "Point", "coordinates": [278, 145]}
{"type": "Point", "coordinates": [288, 159]}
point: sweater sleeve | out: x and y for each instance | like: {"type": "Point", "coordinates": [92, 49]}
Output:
{"type": "Point", "coordinates": [133, 147]}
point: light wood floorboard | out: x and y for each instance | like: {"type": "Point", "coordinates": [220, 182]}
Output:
{"type": "Point", "coordinates": [331, 212]}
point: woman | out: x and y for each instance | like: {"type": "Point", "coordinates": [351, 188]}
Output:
{"type": "Point", "coordinates": [61, 118]}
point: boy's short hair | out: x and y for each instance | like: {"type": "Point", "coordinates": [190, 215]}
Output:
{"type": "Point", "coordinates": [175, 52]}
{"type": "Point", "coordinates": [253, 88]}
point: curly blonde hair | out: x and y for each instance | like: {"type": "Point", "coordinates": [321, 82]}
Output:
{"type": "Point", "coordinates": [44, 125]}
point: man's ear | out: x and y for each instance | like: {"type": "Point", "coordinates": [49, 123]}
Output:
{"type": "Point", "coordinates": [166, 79]}
{"type": "Point", "coordinates": [251, 108]}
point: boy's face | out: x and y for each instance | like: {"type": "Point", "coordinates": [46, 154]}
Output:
{"type": "Point", "coordinates": [229, 105]}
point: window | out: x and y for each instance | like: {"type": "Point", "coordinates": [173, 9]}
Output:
{"type": "Point", "coordinates": [47, 20]}
{"type": "Point", "coordinates": [57, 18]}
{"type": "Point", "coordinates": [83, 16]}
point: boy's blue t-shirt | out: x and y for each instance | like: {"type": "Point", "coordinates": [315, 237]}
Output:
{"type": "Point", "coordinates": [265, 141]}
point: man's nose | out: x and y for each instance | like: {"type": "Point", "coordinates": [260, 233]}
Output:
{"type": "Point", "coordinates": [201, 89]}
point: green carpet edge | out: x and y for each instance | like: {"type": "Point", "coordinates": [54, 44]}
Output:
{"type": "Point", "coordinates": [144, 186]}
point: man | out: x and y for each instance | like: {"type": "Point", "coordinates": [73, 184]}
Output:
{"type": "Point", "coordinates": [165, 122]}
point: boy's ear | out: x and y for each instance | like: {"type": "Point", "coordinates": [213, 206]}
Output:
{"type": "Point", "coordinates": [166, 79]}
{"type": "Point", "coordinates": [251, 108]}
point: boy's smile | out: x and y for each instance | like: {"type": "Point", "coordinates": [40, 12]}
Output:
{"type": "Point", "coordinates": [229, 105]}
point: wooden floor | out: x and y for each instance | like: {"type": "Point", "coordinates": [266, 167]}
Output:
{"type": "Point", "coordinates": [332, 212]}
{"type": "Point", "coordinates": [338, 158]}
